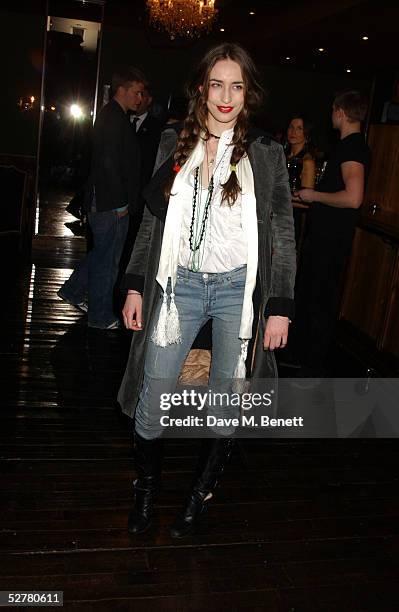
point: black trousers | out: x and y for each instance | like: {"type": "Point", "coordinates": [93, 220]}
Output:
{"type": "Point", "coordinates": [317, 298]}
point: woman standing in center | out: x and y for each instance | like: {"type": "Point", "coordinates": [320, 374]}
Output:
{"type": "Point", "coordinates": [218, 204]}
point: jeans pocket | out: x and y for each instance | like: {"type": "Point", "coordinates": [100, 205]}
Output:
{"type": "Point", "coordinates": [237, 283]}
{"type": "Point", "coordinates": [181, 280]}
{"type": "Point", "coordinates": [238, 278]}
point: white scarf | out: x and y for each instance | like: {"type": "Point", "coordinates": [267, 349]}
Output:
{"type": "Point", "coordinates": [167, 329]}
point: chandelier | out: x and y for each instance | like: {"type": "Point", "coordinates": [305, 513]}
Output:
{"type": "Point", "coordinates": [188, 18]}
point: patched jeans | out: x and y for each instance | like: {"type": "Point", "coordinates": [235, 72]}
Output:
{"type": "Point", "coordinates": [199, 297]}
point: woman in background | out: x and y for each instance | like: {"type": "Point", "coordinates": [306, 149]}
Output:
{"type": "Point", "coordinates": [301, 166]}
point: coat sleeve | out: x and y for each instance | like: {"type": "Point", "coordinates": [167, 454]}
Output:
{"type": "Point", "coordinates": [281, 299]}
{"type": "Point", "coordinates": [135, 272]}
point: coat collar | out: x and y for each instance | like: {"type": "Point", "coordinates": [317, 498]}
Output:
{"type": "Point", "coordinates": [254, 134]}
{"type": "Point", "coordinates": [257, 141]}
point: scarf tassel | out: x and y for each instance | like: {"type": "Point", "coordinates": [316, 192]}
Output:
{"type": "Point", "coordinates": [240, 371]}
{"type": "Point", "coordinates": [159, 337]}
{"type": "Point", "coordinates": [167, 330]}
{"type": "Point", "coordinates": [173, 333]}
{"type": "Point", "coordinates": [239, 383]}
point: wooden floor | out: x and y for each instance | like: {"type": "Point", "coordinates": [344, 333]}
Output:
{"type": "Point", "coordinates": [297, 526]}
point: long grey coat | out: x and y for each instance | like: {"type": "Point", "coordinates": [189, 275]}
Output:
{"type": "Point", "coordinates": [276, 261]}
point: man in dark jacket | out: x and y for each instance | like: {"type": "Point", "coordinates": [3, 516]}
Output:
{"type": "Point", "coordinates": [111, 192]}
{"type": "Point", "coordinates": [148, 130]}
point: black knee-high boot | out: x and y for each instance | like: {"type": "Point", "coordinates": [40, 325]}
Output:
{"type": "Point", "coordinates": [148, 455]}
{"type": "Point", "coordinates": [213, 457]}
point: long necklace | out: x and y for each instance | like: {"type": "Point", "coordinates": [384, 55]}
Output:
{"type": "Point", "coordinates": [199, 222]}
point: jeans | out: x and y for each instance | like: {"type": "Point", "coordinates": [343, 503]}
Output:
{"type": "Point", "coordinates": [199, 297]}
{"type": "Point", "coordinates": [95, 276]}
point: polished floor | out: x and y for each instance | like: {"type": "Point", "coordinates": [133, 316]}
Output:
{"type": "Point", "coordinates": [297, 525]}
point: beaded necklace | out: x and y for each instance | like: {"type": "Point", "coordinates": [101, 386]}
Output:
{"type": "Point", "coordinates": [198, 226]}
{"type": "Point", "coordinates": [199, 222]}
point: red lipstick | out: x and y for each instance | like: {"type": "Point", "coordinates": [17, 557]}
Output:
{"type": "Point", "coordinates": [225, 109]}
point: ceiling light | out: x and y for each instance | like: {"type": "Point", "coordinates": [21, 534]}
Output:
{"type": "Point", "coordinates": [365, 37]}
{"type": "Point", "coordinates": [182, 17]}
{"type": "Point", "coordinates": [348, 70]}
{"type": "Point", "coordinates": [287, 58]}
{"type": "Point", "coordinates": [252, 12]}
{"type": "Point", "coordinates": [222, 29]}
{"type": "Point", "coordinates": [321, 49]}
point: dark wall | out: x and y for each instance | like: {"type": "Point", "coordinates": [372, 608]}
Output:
{"type": "Point", "coordinates": [168, 68]}
{"type": "Point", "coordinates": [21, 49]}
{"type": "Point", "coordinates": [291, 90]}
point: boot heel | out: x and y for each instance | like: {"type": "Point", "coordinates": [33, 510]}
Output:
{"type": "Point", "coordinates": [213, 458]}
{"type": "Point", "coordinates": [186, 523]}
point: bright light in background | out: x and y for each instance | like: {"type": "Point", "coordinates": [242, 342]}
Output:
{"type": "Point", "coordinates": [32, 99]}
{"type": "Point", "coordinates": [76, 111]}
{"type": "Point", "coordinates": [37, 214]}
{"type": "Point", "coordinates": [52, 108]}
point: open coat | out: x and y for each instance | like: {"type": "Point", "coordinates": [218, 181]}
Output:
{"type": "Point", "coordinates": [276, 259]}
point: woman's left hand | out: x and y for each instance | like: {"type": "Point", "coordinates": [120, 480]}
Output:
{"type": "Point", "coordinates": [276, 332]}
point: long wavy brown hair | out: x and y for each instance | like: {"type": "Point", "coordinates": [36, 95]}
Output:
{"type": "Point", "coordinates": [196, 122]}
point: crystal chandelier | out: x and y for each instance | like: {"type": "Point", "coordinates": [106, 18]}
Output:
{"type": "Point", "coordinates": [188, 18]}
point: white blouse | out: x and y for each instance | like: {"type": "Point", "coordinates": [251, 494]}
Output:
{"type": "Point", "coordinates": [224, 245]}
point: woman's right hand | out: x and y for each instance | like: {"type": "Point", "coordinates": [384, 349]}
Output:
{"type": "Point", "coordinates": [132, 312]}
